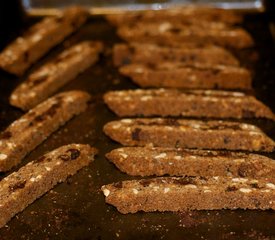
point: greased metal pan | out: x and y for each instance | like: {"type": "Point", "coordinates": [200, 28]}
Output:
{"type": "Point", "coordinates": [76, 209]}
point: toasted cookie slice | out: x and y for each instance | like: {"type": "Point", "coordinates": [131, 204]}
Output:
{"type": "Point", "coordinates": [26, 133]}
{"type": "Point", "coordinates": [151, 54]}
{"type": "Point", "coordinates": [167, 132]}
{"type": "Point", "coordinates": [237, 38]}
{"type": "Point", "coordinates": [190, 193]}
{"type": "Point", "coordinates": [187, 15]}
{"type": "Point", "coordinates": [21, 188]}
{"type": "Point", "coordinates": [172, 75]}
{"type": "Point", "coordinates": [146, 161]}
{"type": "Point", "coordinates": [190, 103]}
{"type": "Point", "coordinates": [49, 78]}
{"type": "Point", "coordinates": [39, 39]}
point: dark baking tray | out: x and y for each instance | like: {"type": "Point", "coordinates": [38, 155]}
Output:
{"type": "Point", "coordinates": [76, 209]}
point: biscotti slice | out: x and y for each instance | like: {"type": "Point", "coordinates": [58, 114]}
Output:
{"type": "Point", "coordinates": [190, 193]}
{"type": "Point", "coordinates": [167, 132]}
{"type": "Point", "coordinates": [49, 78]}
{"type": "Point", "coordinates": [236, 38]}
{"type": "Point", "coordinates": [21, 188]}
{"type": "Point", "coordinates": [191, 15]}
{"type": "Point", "coordinates": [39, 39]}
{"type": "Point", "coordinates": [188, 76]}
{"type": "Point", "coordinates": [190, 103]}
{"type": "Point", "coordinates": [151, 54]}
{"type": "Point", "coordinates": [147, 161]}
{"type": "Point", "coordinates": [26, 133]}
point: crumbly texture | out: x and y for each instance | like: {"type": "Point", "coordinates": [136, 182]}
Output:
{"type": "Point", "coordinates": [26, 133]}
{"type": "Point", "coordinates": [45, 81]}
{"type": "Point", "coordinates": [189, 103]}
{"type": "Point", "coordinates": [21, 188]}
{"type": "Point", "coordinates": [186, 15]}
{"type": "Point", "coordinates": [193, 76]}
{"type": "Point", "coordinates": [162, 33]}
{"type": "Point", "coordinates": [39, 39]}
{"type": "Point", "coordinates": [190, 193]}
{"type": "Point", "coordinates": [146, 161]}
{"type": "Point", "coordinates": [167, 132]}
{"type": "Point", "coordinates": [124, 54]}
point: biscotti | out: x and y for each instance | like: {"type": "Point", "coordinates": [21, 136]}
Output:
{"type": "Point", "coordinates": [161, 132]}
{"type": "Point", "coordinates": [184, 76]}
{"type": "Point", "coordinates": [145, 161]}
{"type": "Point", "coordinates": [187, 15]}
{"type": "Point", "coordinates": [151, 54]}
{"type": "Point", "coordinates": [39, 39]}
{"type": "Point", "coordinates": [190, 103]}
{"type": "Point", "coordinates": [26, 133]}
{"type": "Point", "coordinates": [190, 193]}
{"type": "Point", "coordinates": [30, 182]}
{"type": "Point", "coordinates": [236, 38]}
{"type": "Point", "coordinates": [49, 78]}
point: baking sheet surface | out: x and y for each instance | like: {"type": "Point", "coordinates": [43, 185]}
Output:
{"type": "Point", "coordinates": [76, 209]}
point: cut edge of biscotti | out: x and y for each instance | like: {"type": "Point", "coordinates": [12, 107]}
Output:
{"type": "Point", "coordinates": [149, 161]}
{"type": "Point", "coordinates": [190, 193]}
{"type": "Point", "coordinates": [187, 133]}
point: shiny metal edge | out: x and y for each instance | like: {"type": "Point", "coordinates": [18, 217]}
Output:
{"type": "Point", "coordinates": [256, 6]}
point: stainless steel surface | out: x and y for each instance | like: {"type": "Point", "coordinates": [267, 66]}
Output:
{"type": "Point", "coordinates": [99, 7]}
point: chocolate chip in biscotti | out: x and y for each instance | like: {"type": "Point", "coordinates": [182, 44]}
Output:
{"type": "Point", "coordinates": [186, 193]}
{"type": "Point", "coordinates": [21, 188]}
{"type": "Point", "coordinates": [189, 103]}
{"type": "Point", "coordinates": [195, 76]}
{"type": "Point", "coordinates": [24, 51]}
{"type": "Point", "coordinates": [159, 132]}
{"type": "Point", "coordinates": [182, 54]}
{"type": "Point", "coordinates": [158, 161]}
{"type": "Point", "coordinates": [46, 80]}
{"type": "Point", "coordinates": [26, 133]}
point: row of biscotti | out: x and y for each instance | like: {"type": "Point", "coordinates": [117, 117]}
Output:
{"type": "Point", "coordinates": [39, 39]}
{"type": "Point", "coordinates": [223, 178]}
{"type": "Point", "coordinates": [192, 39]}
{"type": "Point", "coordinates": [159, 147]}
{"type": "Point", "coordinates": [46, 80]}
{"type": "Point", "coordinates": [182, 26]}
{"type": "Point", "coordinates": [201, 67]}
{"type": "Point", "coordinates": [21, 188]}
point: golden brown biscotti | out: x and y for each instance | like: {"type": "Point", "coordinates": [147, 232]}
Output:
{"type": "Point", "coordinates": [147, 161]}
{"type": "Point", "coordinates": [21, 188]}
{"type": "Point", "coordinates": [45, 81]}
{"type": "Point", "coordinates": [197, 76]}
{"type": "Point", "coordinates": [190, 193]}
{"type": "Point", "coordinates": [39, 39]}
{"type": "Point", "coordinates": [189, 103]}
{"type": "Point", "coordinates": [236, 38]}
{"type": "Point", "coordinates": [124, 54]}
{"type": "Point", "coordinates": [187, 15]}
{"type": "Point", "coordinates": [26, 133]}
{"type": "Point", "coordinates": [182, 133]}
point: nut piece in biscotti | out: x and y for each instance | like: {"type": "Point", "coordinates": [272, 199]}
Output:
{"type": "Point", "coordinates": [190, 103]}
{"type": "Point", "coordinates": [182, 133]}
{"type": "Point", "coordinates": [26, 133]}
{"type": "Point", "coordinates": [45, 81]}
{"type": "Point", "coordinates": [147, 161]}
{"type": "Point", "coordinates": [166, 33]}
{"type": "Point", "coordinates": [124, 54]}
{"type": "Point", "coordinates": [187, 15]}
{"type": "Point", "coordinates": [21, 188]}
{"type": "Point", "coordinates": [190, 193]}
{"type": "Point", "coordinates": [39, 39]}
{"type": "Point", "coordinates": [172, 75]}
